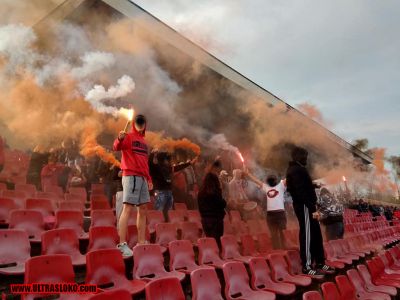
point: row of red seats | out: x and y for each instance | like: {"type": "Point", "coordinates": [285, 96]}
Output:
{"type": "Point", "coordinates": [360, 227]}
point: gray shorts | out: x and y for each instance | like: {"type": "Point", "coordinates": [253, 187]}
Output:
{"type": "Point", "coordinates": [136, 190]}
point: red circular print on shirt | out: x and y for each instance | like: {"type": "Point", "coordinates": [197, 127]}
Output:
{"type": "Point", "coordinates": [272, 193]}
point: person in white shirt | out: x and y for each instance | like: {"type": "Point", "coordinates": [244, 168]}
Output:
{"type": "Point", "coordinates": [274, 191]}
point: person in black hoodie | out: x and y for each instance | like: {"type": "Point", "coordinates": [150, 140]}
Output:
{"type": "Point", "coordinates": [302, 190]}
{"type": "Point", "coordinates": [212, 204]}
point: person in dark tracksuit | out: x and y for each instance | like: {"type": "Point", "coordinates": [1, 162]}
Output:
{"type": "Point", "coordinates": [302, 190]}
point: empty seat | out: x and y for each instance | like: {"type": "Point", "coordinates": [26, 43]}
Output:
{"type": "Point", "coordinates": [205, 284]}
{"type": "Point", "coordinates": [181, 207]}
{"type": "Point", "coordinates": [149, 263]}
{"type": "Point", "coordinates": [167, 288]}
{"type": "Point", "coordinates": [378, 275]}
{"type": "Point", "coordinates": [194, 216]}
{"type": "Point", "coordinates": [106, 269]}
{"type": "Point", "coordinates": [63, 241]}
{"type": "Point", "coordinates": [97, 188]}
{"type": "Point", "coordinates": [45, 206]}
{"type": "Point", "coordinates": [209, 253]}
{"type": "Point", "coordinates": [119, 294]}
{"type": "Point", "coordinates": [370, 286]}
{"type": "Point", "coordinates": [294, 262]}
{"type": "Point", "coordinates": [30, 221]}
{"type": "Point", "coordinates": [154, 217]}
{"type": "Point", "coordinates": [99, 204]}
{"type": "Point", "coordinates": [29, 189]}
{"type": "Point", "coordinates": [165, 233]}
{"type": "Point", "coordinates": [49, 195]}
{"type": "Point", "coordinates": [182, 257]}
{"type": "Point", "coordinates": [190, 231]}
{"type": "Point", "coordinates": [6, 206]}
{"type": "Point", "coordinates": [230, 249]}
{"type": "Point", "coordinates": [261, 278]}
{"type": "Point", "coordinates": [77, 191]}
{"type": "Point", "coordinates": [19, 197]}
{"type": "Point", "coordinates": [280, 271]}
{"type": "Point", "coordinates": [237, 283]}
{"type": "Point", "coordinates": [360, 288]}
{"type": "Point", "coordinates": [248, 245]}
{"type": "Point", "coordinates": [71, 219]}
{"type": "Point", "coordinates": [54, 189]}
{"type": "Point", "coordinates": [132, 238]}
{"type": "Point", "coordinates": [102, 217]}
{"type": "Point", "coordinates": [75, 197]}
{"type": "Point", "coordinates": [330, 291]}
{"type": "Point", "coordinates": [176, 217]}
{"type": "Point", "coordinates": [98, 197]}
{"type": "Point", "coordinates": [312, 295]}
{"type": "Point", "coordinates": [103, 237]}
{"type": "Point", "coordinates": [71, 205]}
{"type": "Point", "coordinates": [345, 288]}
{"type": "Point", "coordinates": [14, 251]}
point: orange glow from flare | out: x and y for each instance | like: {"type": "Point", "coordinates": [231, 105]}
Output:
{"type": "Point", "coordinates": [127, 113]}
{"type": "Point", "coordinates": [241, 157]}
{"type": "Point", "coordinates": [344, 178]}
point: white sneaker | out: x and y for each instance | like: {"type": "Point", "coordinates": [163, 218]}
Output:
{"type": "Point", "coordinates": [125, 250]}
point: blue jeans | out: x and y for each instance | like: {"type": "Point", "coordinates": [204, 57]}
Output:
{"type": "Point", "coordinates": [164, 200]}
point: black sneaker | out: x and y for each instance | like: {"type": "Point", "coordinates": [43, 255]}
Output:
{"type": "Point", "coordinates": [315, 274]}
{"type": "Point", "coordinates": [327, 269]}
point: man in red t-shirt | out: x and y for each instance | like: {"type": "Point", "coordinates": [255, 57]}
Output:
{"type": "Point", "coordinates": [136, 180]}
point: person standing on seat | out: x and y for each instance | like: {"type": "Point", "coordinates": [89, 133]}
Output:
{"type": "Point", "coordinates": [212, 204]}
{"type": "Point", "coordinates": [136, 180]}
{"type": "Point", "coordinates": [330, 215]}
{"type": "Point", "coordinates": [302, 190]}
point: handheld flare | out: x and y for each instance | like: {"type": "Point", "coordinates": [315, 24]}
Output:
{"type": "Point", "coordinates": [128, 113]}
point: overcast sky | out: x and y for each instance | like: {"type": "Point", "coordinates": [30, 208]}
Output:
{"type": "Point", "coordinates": [342, 56]}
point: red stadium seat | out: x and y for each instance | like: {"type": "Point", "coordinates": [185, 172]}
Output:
{"type": "Point", "coordinates": [209, 253]}
{"type": "Point", "coordinates": [6, 206]}
{"type": "Point", "coordinates": [361, 289]}
{"type": "Point", "coordinates": [49, 195]}
{"type": "Point", "coordinates": [77, 191]}
{"type": "Point", "coordinates": [30, 221]}
{"type": "Point", "coordinates": [98, 197]}
{"type": "Point", "coordinates": [71, 219]}
{"type": "Point", "coordinates": [63, 241]}
{"type": "Point", "coordinates": [3, 187]}
{"type": "Point", "coordinates": [167, 288]}
{"type": "Point", "coordinates": [389, 262]}
{"type": "Point", "coordinates": [75, 197]}
{"type": "Point", "coordinates": [312, 295]}
{"type": "Point", "coordinates": [49, 269]}
{"type": "Point", "coordinates": [165, 233]}
{"type": "Point", "coordinates": [149, 263]}
{"type": "Point", "coordinates": [176, 217]}
{"type": "Point", "coordinates": [19, 197]}
{"type": "Point", "coordinates": [54, 189]}
{"type": "Point", "coordinates": [294, 262]}
{"type": "Point", "coordinates": [190, 231]}
{"type": "Point", "coordinates": [339, 250]}
{"type": "Point", "coordinates": [102, 217]}
{"type": "Point", "coordinates": [366, 276]}
{"type": "Point", "coordinates": [230, 249]}
{"type": "Point", "coordinates": [261, 278]}
{"type": "Point", "coordinates": [280, 271]}
{"type": "Point", "coordinates": [71, 205]}
{"type": "Point", "coordinates": [103, 237]}
{"type": "Point", "coordinates": [248, 245]}
{"type": "Point", "coordinates": [265, 245]}
{"type": "Point", "coordinates": [378, 277]}
{"type": "Point", "coordinates": [106, 269]}
{"type": "Point", "coordinates": [181, 207]}
{"type": "Point", "coordinates": [29, 189]}
{"type": "Point", "coordinates": [99, 204]}
{"type": "Point", "coordinates": [205, 284]}
{"type": "Point", "coordinates": [45, 206]}
{"type": "Point", "coordinates": [237, 283]}
{"type": "Point", "coordinates": [330, 291]}
{"type": "Point", "coordinates": [182, 257]}
{"type": "Point", "coordinates": [194, 216]}
{"type": "Point", "coordinates": [345, 288]}
{"type": "Point", "coordinates": [235, 216]}
{"type": "Point", "coordinates": [333, 261]}
{"type": "Point", "coordinates": [119, 294]}
{"type": "Point", "coordinates": [14, 251]}
{"type": "Point", "coordinates": [154, 217]}
{"type": "Point", "coordinates": [97, 188]}
{"type": "Point", "coordinates": [132, 237]}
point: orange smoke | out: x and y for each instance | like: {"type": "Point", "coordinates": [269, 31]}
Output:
{"type": "Point", "coordinates": [311, 111]}
{"type": "Point", "coordinates": [156, 140]}
{"type": "Point", "coordinates": [90, 148]}
{"type": "Point", "coordinates": [379, 160]}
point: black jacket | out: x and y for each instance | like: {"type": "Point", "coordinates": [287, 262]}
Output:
{"type": "Point", "coordinates": [300, 186]}
{"type": "Point", "coordinates": [211, 206]}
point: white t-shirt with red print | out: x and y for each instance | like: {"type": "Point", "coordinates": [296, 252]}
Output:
{"type": "Point", "coordinates": [275, 196]}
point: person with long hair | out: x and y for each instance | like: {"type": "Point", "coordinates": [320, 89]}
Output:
{"type": "Point", "coordinates": [212, 204]}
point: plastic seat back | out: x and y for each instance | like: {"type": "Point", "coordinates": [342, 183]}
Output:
{"type": "Point", "coordinates": [6, 206]}
{"type": "Point", "coordinates": [205, 284]}
{"type": "Point", "coordinates": [154, 217]}
{"type": "Point", "coordinates": [14, 194]}
{"type": "Point", "coordinates": [194, 216]}
{"type": "Point", "coordinates": [102, 237]}
{"type": "Point", "coordinates": [97, 188]}
{"type": "Point", "coordinates": [132, 237]}
{"type": "Point", "coordinates": [29, 220]}
{"type": "Point", "coordinates": [355, 279]}
{"type": "Point", "coordinates": [264, 243]}
{"type": "Point", "coordinates": [236, 279]}
{"type": "Point", "coordinates": [294, 262]}
{"type": "Point", "coordinates": [45, 206]}
{"type": "Point", "coordinates": [260, 273]}
{"type": "Point", "coordinates": [230, 247]}
{"type": "Point", "coordinates": [104, 266]}
{"type": "Point", "coordinates": [148, 261]}
{"type": "Point", "coordinates": [60, 241]}
{"type": "Point", "coordinates": [254, 227]}
{"type": "Point", "coordinates": [364, 273]}
{"type": "Point", "coordinates": [14, 247]}
{"type": "Point", "coordinates": [165, 233]}
{"type": "Point", "coordinates": [71, 205]}
{"type": "Point", "coordinates": [29, 189]}
{"type": "Point", "coordinates": [102, 217]}
{"type": "Point", "coordinates": [168, 288]}
{"type": "Point", "coordinates": [330, 291]}
{"type": "Point", "coordinates": [248, 245]}
{"type": "Point", "coordinates": [181, 255]}
{"type": "Point", "coordinates": [48, 195]}
{"type": "Point", "coordinates": [54, 189]}
{"type": "Point", "coordinates": [77, 191]}
{"type": "Point", "coordinates": [208, 251]}
{"type": "Point", "coordinates": [279, 267]}
{"type": "Point", "coordinates": [190, 231]}
{"type": "Point", "coordinates": [312, 295]}
{"type": "Point", "coordinates": [176, 217]}
{"type": "Point", "coordinates": [346, 289]}
{"type": "Point", "coordinates": [70, 219]}
{"type": "Point", "coordinates": [99, 204]}
{"type": "Point", "coordinates": [181, 207]}
{"type": "Point", "coordinates": [75, 197]}
{"type": "Point", "coordinates": [119, 294]}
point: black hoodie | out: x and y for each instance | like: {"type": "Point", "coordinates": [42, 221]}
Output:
{"type": "Point", "coordinates": [300, 186]}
